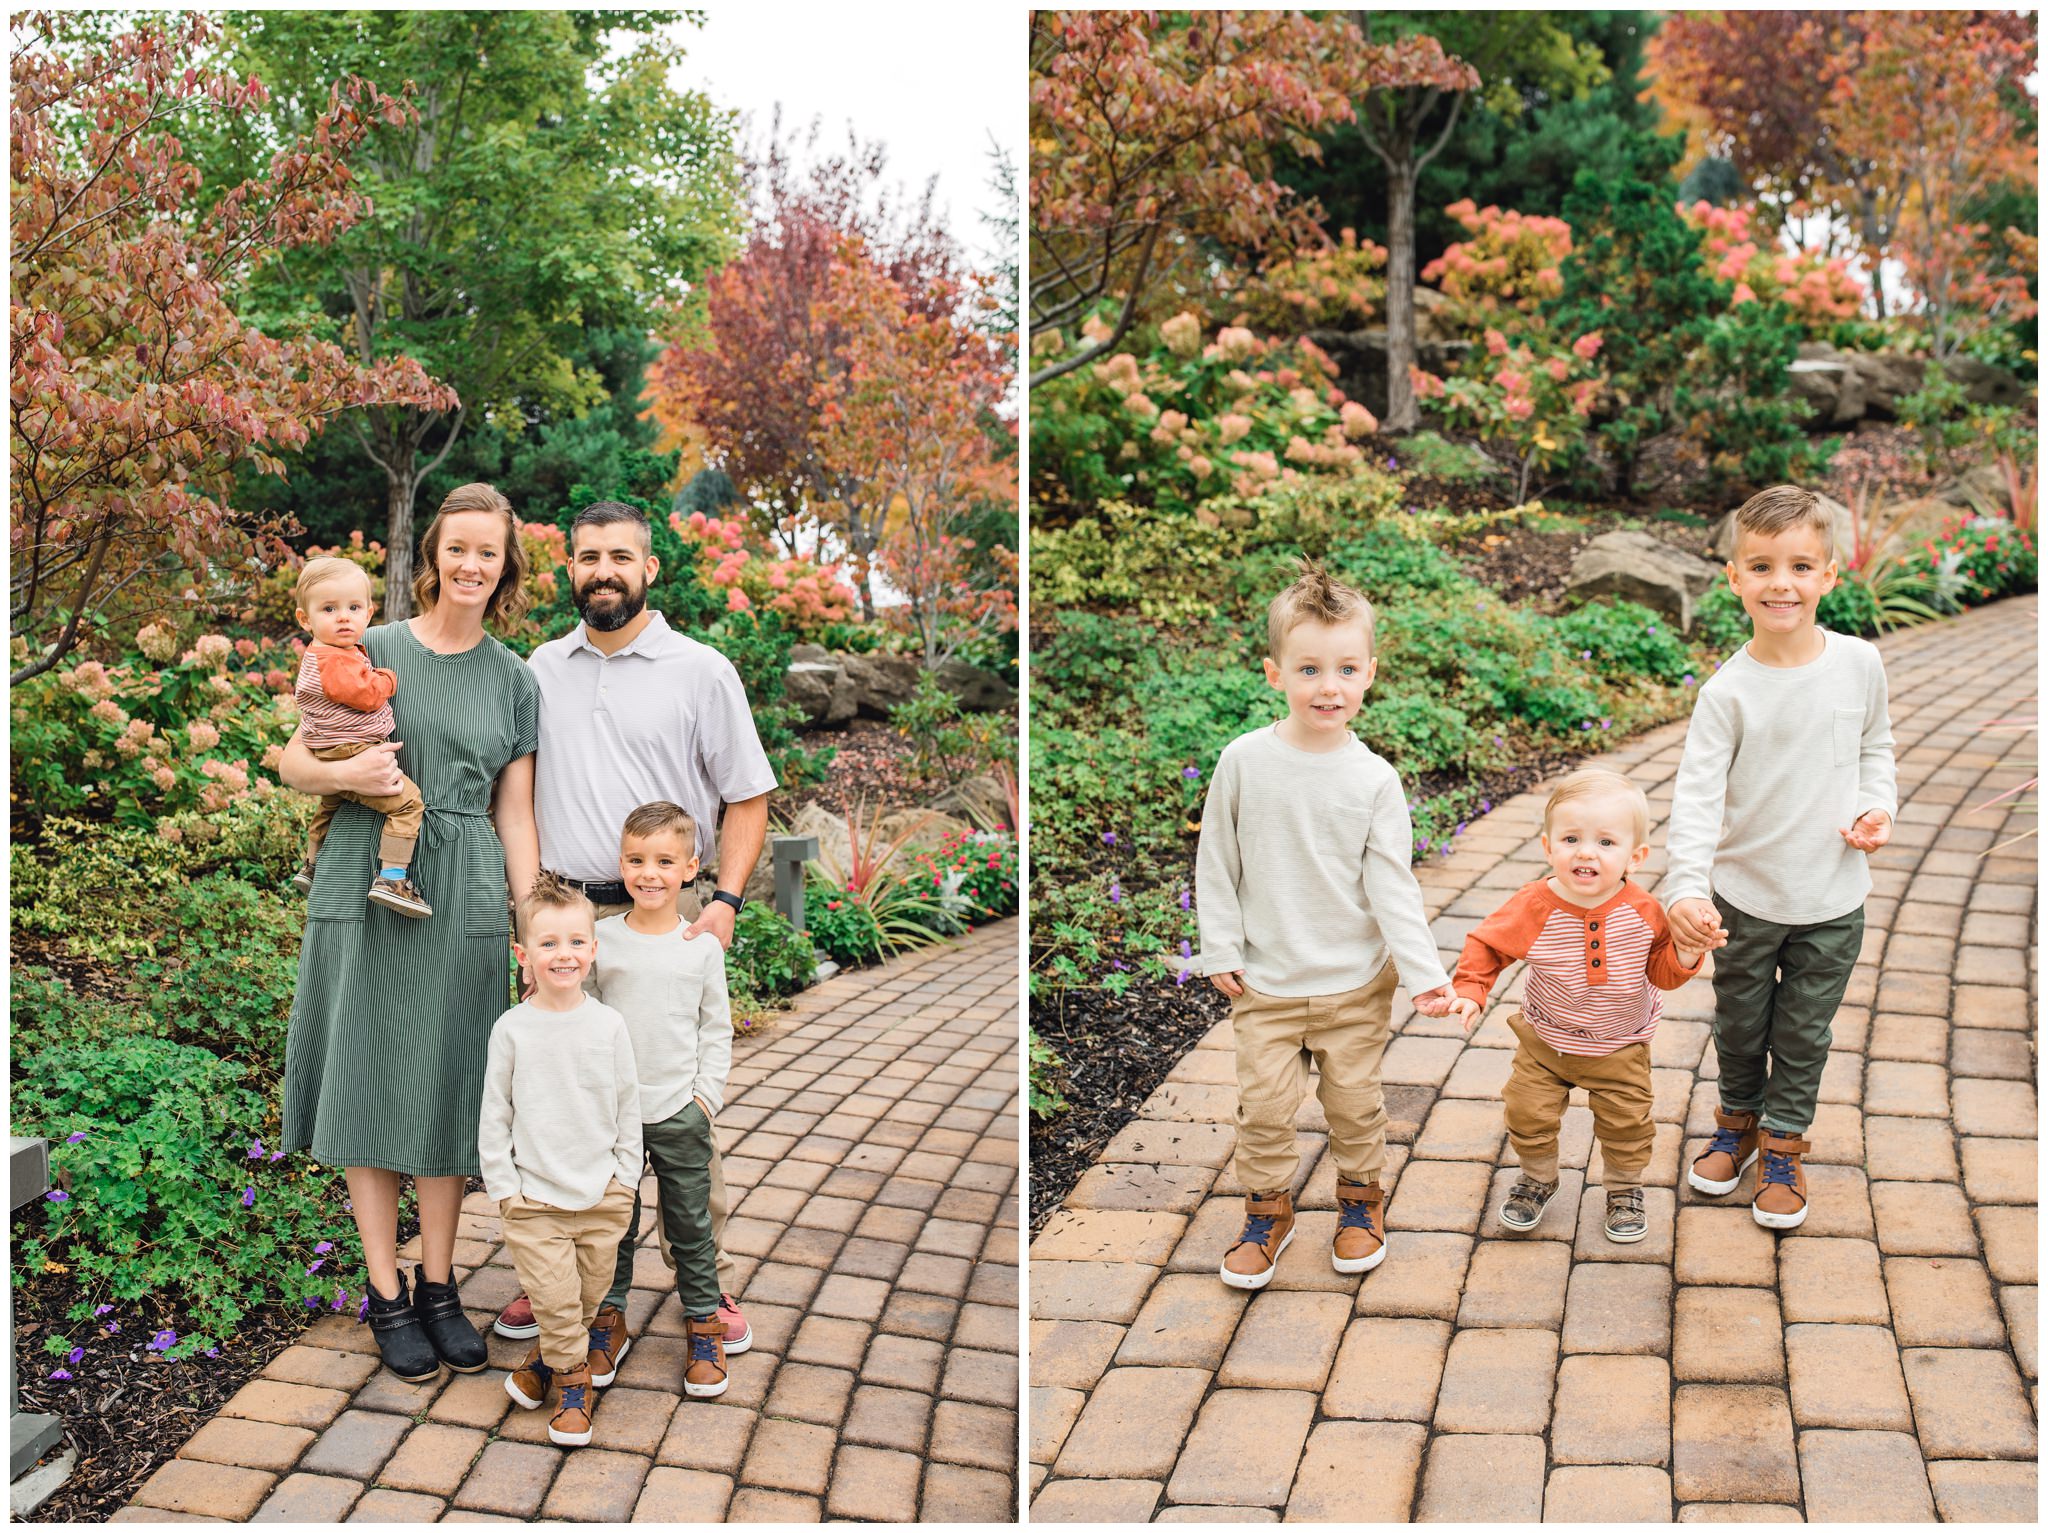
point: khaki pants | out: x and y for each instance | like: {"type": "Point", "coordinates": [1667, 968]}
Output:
{"type": "Point", "coordinates": [1276, 1036]}
{"type": "Point", "coordinates": [1618, 1085]}
{"type": "Point", "coordinates": [564, 1260]}
{"type": "Point", "coordinates": [402, 811]}
{"type": "Point", "coordinates": [690, 902]}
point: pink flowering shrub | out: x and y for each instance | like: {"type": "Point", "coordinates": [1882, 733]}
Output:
{"type": "Point", "coordinates": [1337, 286]}
{"type": "Point", "coordinates": [1508, 267]}
{"type": "Point", "coordinates": [1527, 401]}
{"type": "Point", "coordinates": [1818, 289]}
{"type": "Point", "coordinates": [808, 595]}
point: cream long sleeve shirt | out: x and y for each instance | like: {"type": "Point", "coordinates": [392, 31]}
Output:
{"type": "Point", "coordinates": [1778, 761]}
{"type": "Point", "coordinates": [1302, 876]}
{"type": "Point", "coordinates": [561, 1108]}
{"type": "Point", "coordinates": [671, 991]}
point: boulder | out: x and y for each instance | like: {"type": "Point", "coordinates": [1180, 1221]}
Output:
{"type": "Point", "coordinates": [827, 695]}
{"type": "Point", "coordinates": [881, 682]}
{"type": "Point", "coordinates": [1886, 379]}
{"type": "Point", "coordinates": [1635, 566]}
{"type": "Point", "coordinates": [1985, 384]}
{"type": "Point", "coordinates": [1825, 379]}
{"type": "Point", "coordinates": [976, 690]}
{"type": "Point", "coordinates": [829, 828]}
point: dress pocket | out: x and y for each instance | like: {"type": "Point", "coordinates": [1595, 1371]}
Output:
{"type": "Point", "coordinates": [484, 911]}
{"type": "Point", "coordinates": [348, 863]}
{"type": "Point", "coordinates": [1848, 736]}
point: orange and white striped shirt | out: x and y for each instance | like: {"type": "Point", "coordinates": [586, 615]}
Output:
{"type": "Point", "coordinates": [1594, 975]}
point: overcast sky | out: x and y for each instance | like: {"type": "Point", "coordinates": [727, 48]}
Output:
{"type": "Point", "coordinates": [934, 86]}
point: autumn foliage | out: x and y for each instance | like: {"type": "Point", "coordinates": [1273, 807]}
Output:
{"type": "Point", "coordinates": [136, 388]}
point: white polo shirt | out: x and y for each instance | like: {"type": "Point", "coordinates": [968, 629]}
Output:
{"type": "Point", "coordinates": [664, 718]}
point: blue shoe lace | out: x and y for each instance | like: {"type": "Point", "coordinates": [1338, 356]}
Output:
{"type": "Point", "coordinates": [600, 1338]}
{"type": "Point", "coordinates": [1778, 1169]}
{"type": "Point", "coordinates": [1727, 1141]}
{"type": "Point", "coordinates": [1256, 1228]}
{"type": "Point", "coordinates": [1354, 1216]}
{"type": "Point", "coordinates": [573, 1396]}
{"type": "Point", "coordinates": [703, 1349]}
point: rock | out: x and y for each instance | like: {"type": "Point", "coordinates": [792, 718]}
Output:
{"type": "Point", "coordinates": [976, 690]}
{"type": "Point", "coordinates": [1985, 384]}
{"type": "Point", "coordinates": [1984, 481]}
{"type": "Point", "coordinates": [980, 799]}
{"type": "Point", "coordinates": [1845, 386]}
{"type": "Point", "coordinates": [833, 843]}
{"type": "Point", "coordinates": [1886, 379]}
{"type": "Point", "coordinates": [881, 682]}
{"type": "Point", "coordinates": [824, 692]}
{"type": "Point", "coordinates": [1635, 566]}
{"type": "Point", "coordinates": [1825, 379]}
{"type": "Point", "coordinates": [1432, 323]}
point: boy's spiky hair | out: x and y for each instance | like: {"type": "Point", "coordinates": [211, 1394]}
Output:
{"type": "Point", "coordinates": [551, 891]}
{"type": "Point", "coordinates": [1316, 596]}
{"type": "Point", "coordinates": [1781, 508]}
{"type": "Point", "coordinates": [660, 816]}
{"type": "Point", "coordinates": [318, 572]}
{"type": "Point", "coordinates": [1591, 782]}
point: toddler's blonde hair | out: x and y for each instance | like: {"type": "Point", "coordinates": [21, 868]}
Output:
{"type": "Point", "coordinates": [1781, 508]}
{"type": "Point", "coordinates": [1593, 782]}
{"type": "Point", "coordinates": [1315, 597]}
{"type": "Point", "coordinates": [325, 569]}
{"type": "Point", "coordinates": [551, 891]}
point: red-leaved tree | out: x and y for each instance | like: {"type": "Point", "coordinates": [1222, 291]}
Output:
{"type": "Point", "coordinates": [747, 381]}
{"type": "Point", "coordinates": [908, 415]}
{"type": "Point", "coordinates": [136, 391]}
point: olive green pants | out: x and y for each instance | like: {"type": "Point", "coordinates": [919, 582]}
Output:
{"type": "Point", "coordinates": [1776, 990]}
{"type": "Point", "coordinates": [679, 1149]}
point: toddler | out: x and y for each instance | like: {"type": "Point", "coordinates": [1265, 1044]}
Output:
{"type": "Point", "coordinates": [558, 1142]}
{"type": "Point", "coordinates": [1598, 951]}
{"type": "Point", "coordinates": [1307, 909]}
{"type": "Point", "coordinates": [670, 988]}
{"type": "Point", "coordinates": [1787, 783]}
{"type": "Point", "coordinates": [344, 709]}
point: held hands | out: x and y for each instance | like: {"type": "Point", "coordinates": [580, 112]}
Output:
{"type": "Point", "coordinates": [1466, 1010]}
{"type": "Point", "coordinates": [1696, 927]}
{"type": "Point", "coordinates": [1873, 828]}
{"type": "Point", "coordinates": [1231, 984]}
{"type": "Point", "coordinates": [1436, 1003]}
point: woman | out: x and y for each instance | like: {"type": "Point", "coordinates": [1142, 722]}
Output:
{"type": "Point", "coordinates": [384, 1062]}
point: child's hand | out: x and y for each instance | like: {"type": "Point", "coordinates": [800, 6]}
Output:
{"type": "Point", "coordinates": [1466, 1010]}
{"type": "Point", "coordinates": [1696, 924]}
{"type": "Point", "coordinates": [1872, 829]}
{"type": "Point", "coordinates": [1231, 984]}
{"type": "Point", "coordinates": [1435, 1003]}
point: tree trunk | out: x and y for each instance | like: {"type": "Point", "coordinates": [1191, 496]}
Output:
{"type": "Point", "coordinates": [1402, 412]}
{"type": "Point", "coordinates": [1873, 249]}
{"type": "Point", "coordinates": [401, 484]}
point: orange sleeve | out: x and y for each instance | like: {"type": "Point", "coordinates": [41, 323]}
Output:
{"type": "Point", "coordinates": [1496, 942]}
{"type": "Point", "coordinates": [347, 676]}
{"type": "Point", "coordinates": [1664, 969]}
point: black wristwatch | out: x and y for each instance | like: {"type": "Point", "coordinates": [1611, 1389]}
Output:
{"type": "Point", "coordinates": [737, 901]}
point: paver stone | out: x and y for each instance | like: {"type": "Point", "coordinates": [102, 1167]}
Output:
{"type": "Point", "coordinates": [1847, 1376]}
{"type": "Point", "coordinates": [1864, 1477]}
{"type": "Point", "coordinates": [1244, 1448]}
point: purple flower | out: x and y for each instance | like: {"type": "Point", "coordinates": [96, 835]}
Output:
{"type": "Point", "coordinates": [102, 1310]}
{"type": "Point", "coordinates": [1116, 892]}
{"type": "Point", "coordinates": [363, 1309]}
{"type": "Point", "coordinates": [1605, 722]}
{"type": "Point", "coordinates": [1585, 723]}
{"type": "Point", "coordinates": [163, 1341]}
{"type": "Point", "coordinates": [75, 1138]}
{"type": "Point", "coordinates": [1496, 739]}
{"type": "Point", "coordinates": [1182, 977]}
{"type": "Point", "coordinates": [1118, 963]}
{"type": "Point", "coordinates": [58, 1196]}
{"type": "Point", "coordinates": [276, 1156]}
{"type": "Point", "coordinates": [1688, 678]}
{"type": "Point", "coordinates": [255, 1149]}
{"type": "Point", "coordinates": [313, 1302]}
{"type": "Point", "coordinates": [1585, 654]}
{"type": "Point", "coordinates": [248, 1197]}
{"type": "Point", "coordinates": [213, 1351]}
{"type": "Point", "coordinates": [1461, 828]}
{"type": "Point", "coordinates": [1486, 806]}
{"type": "Point", "coordinates": [323, 1248]}
{"type": "Point", "coordinates": [316, 1266]}
{"type": "Point", "coordinates": [1447, 849]}
{"type": "Point", "coordinates": [113, 1328]}
{"type": "Point", "coordinates": [1184, 899]}
{"type": "Point", "coordinates": [1184, 948]}
{"type": "Point", "coordinates": [1423, 843]}
{"type": "Point", "coordinates": [77, 1356]}
{"type": "Point", "coordinates": [60, 1375]}
{"type": "Point", "coordinates": [1192, 774]}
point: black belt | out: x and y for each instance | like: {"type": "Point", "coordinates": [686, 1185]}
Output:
{"type": "Point", "coordinates": [613, 893]}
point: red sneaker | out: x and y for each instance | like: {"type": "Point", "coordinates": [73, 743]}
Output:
{"type": "Point", "coordinates": [738, 1334]}
{"type": "Point", "coordinates": [516, 1320]}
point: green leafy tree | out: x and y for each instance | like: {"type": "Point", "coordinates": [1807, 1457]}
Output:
{"type": "Point", "coordinates": [550, 182]}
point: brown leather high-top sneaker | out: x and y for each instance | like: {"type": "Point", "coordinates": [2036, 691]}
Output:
{"type": "Point", "coordinates": [1268, 1227]}
{"type": "Point", "coordinates": [1361, 1242]}
{"type": "Point", "coordinates": [528, 1383]}
{"type": "Point", "coordinates": [704, 1374]}
{"type": "Point", "coordinates": [608, 1345]}
{"type": "Point", "coordinates": [571, 1426]}
{"type": "Point", "coordinates": [1727, 1155]}
{"type": "Point", "coordinates": [1780, 1202]}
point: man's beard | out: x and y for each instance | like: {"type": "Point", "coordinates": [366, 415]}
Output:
{"type": "Point", "coordinates": [611, 618]}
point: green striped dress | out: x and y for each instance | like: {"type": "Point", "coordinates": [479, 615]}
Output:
{"type": "Point", "coordinates": [384, 1063]}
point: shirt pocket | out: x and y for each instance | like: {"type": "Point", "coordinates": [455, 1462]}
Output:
{"type": "Point", "coordinates": [595, 1071]}
{"type": "Point", "coordinates": [1848, 736]}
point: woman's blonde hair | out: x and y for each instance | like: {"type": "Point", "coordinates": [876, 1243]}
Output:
{"type": "Point", "coordinates": [509, 601]}
{"type": "Point", "coordinates": [551, 891]}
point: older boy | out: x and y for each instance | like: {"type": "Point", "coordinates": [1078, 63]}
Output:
{"type": "Point", "coordinates": [1786, 783]}
{"type": "Point", "coordinates": [1305, 891]}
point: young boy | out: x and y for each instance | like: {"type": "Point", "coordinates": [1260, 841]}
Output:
{"type": "Point", "coordinates": [1304, 886]}
{"type": "Point", "coordinates": [1598, 951]}
{"type": "Point", "coordinates": [559, 1145]}
{"type": "Point", "coordinates": [345, 708]}
{"type": "Point", "coordinates": [670, 988]}
{"type": "Point", "coordinates": [1786, 783]}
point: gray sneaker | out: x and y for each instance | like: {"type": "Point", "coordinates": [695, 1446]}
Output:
{"type": "Point", "coordinates": [1626, 1222]}
{"type": "Point", "coordinates": [1526, 1201]}
{"type": "Point", "coordinates": [303, 879]}
{"type": "Point", "coordinates": [401, 895]}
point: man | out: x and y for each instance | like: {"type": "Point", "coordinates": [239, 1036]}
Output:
{"type": "Point", "coordinates": [632, 711]}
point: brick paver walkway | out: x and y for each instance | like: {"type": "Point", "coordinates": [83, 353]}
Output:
{"type": "Point", "coordinates": [871, 1148]}
{"type": "Point", "coordinates": [1877, 1364]}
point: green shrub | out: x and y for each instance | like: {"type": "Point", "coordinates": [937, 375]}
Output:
{"type": "Point", "coordinates": [1719, 622]}
{"type": "Point", "coordinates": [1162, 564]}
{"type": "Point", "coordinates": [768, 956]}
{"type": "Point", "coordinates": [1626, 639]}
{"type": "Point", "coordinates": [1046, 1068]}
{"type": "Point", "coordinates": [1419, 734]}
